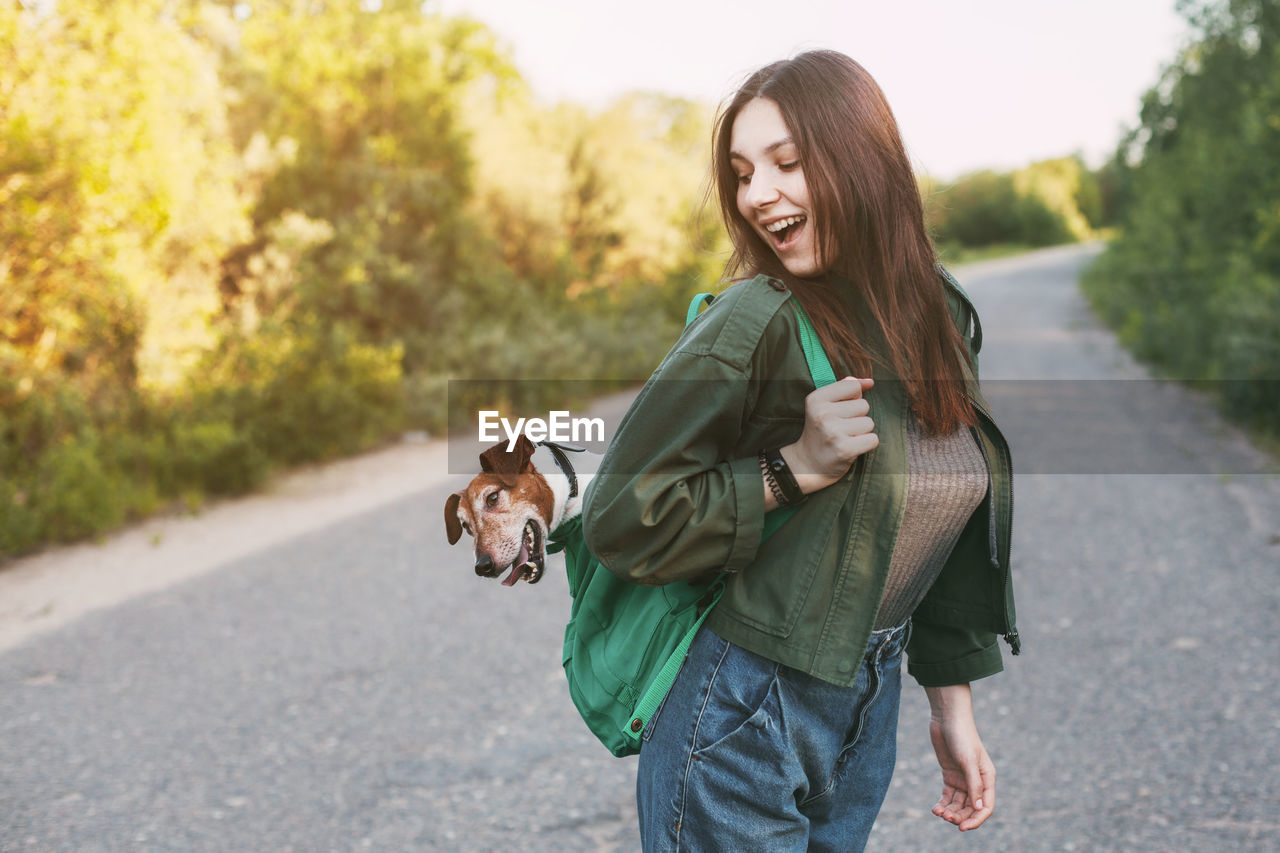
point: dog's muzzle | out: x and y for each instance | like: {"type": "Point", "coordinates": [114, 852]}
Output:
{"type": "Point", "coordinates": [528, 565]}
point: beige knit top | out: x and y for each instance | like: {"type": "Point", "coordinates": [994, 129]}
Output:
{"type": "Point", "coordinates": [946, 480]}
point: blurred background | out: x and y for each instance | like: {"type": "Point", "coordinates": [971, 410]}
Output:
{"type": "Point", "coordinates": [240, 236]}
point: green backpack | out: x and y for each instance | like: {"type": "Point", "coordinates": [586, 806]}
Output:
{"type": "Point", "coordinates": [625, 641]}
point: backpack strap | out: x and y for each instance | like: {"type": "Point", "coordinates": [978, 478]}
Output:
{"type": "Point", "coordinates": [666, 677]}
{"type": "Point", "coordinates": [822, 373]}
{"type": "Point", "coordinates": [695, 306]}
{"type": "Point", "coordinates": [819, 365]}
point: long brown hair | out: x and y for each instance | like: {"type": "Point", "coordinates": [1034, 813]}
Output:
{"type": "Point", "coordinates": [870, 230]}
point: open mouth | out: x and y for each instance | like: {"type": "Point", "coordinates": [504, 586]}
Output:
{"type": "Point", "coordinates": [529, 563]}
{"type": "Point", "coordinates": [785, 233]}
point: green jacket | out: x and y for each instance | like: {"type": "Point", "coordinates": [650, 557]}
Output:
{"type": "Point", "coordinates": [679, 496]}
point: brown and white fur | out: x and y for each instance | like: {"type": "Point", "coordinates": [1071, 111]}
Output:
{"type": "Point", "coordinates": [512, 505]}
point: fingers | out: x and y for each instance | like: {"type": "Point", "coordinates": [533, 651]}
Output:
{"type": "Point", "coordinates": [849, 388]}
{"type": "Point", "coordinates": [973, 781]}
{"type": "Point", "coordinates": [853, 408]}
{"type": "Point", "coordinates": [837, 429]}
{"type": "Point", "coordinates": [864, 385]}
{"type": "Point", "coordinates": [853, 446]}
{"type": "Point", "coordinates": [954, 806]}
{"type": "Point", "coordinates": [940, 808]}
{"type": "Point", "coordinates": [968, 804]}
{"type": "Point", "coordinates": [842, 408]}
{"type": "Point", "coordinates": [985, 797]}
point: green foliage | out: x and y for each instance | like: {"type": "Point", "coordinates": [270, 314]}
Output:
{"type": "Point", "coordinates": [74, 489]}
{"type": "Point", "coordinates": [213, 457]}
{"type": "Point", "coordinates": [1030, 207]}
{"type": "Point", "coordinates": [1114, 182]}
{"type": "Point", "coordinates": [115, 189]}
{"type": "Point", "coordinates": [280, 397]}
{"type": "Point", "coordinates": [1193, 283]}
{"type": "Point", "coordinates": [1068, 191]}
{"type": "Point", "coordinates": [65, 474]}
{"type": "Point", "coordinates": [306, 394]}
{"type": "Point", "coordinates": [144, 243]}
{"type": "Point", "coordinates": [368, 103]}
{"type": "Point", "coordinates": [581, 201]}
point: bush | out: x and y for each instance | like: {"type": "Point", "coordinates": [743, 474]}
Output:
{"type": "Point", "coordinates": [986, 208]}
{"type": "Point", "coordinates": [212, 457]}
{"type": "Point", "coordinates": [74, 492]}
{"type": "Point", "coordinates": [1193, 282]}
{"type": "Point", "coordinates": [305, 395]}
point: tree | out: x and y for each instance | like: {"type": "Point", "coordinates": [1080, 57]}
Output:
{"type": "Point", "coordinates": [1194, 281]}
{"type": "Point", "coordinates": [364, 104]}
{"type": "Point", "coordinates": [116, 191]}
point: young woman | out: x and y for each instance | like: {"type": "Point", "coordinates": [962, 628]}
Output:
{"type": "Point", "coordinates": [779, 733]}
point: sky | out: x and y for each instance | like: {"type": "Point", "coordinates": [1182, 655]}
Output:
{"type": "Point", "coordinates": [974, 83]}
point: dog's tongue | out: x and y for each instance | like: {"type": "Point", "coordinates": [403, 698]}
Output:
{"type": "Point", "coordinates": [521, 560]}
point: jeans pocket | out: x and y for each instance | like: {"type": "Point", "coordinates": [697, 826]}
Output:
{"type": "Point", "coordinates": [742, 699]}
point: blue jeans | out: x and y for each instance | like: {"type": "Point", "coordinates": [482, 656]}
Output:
{"type": "Point", "coordinates": [747, 754]}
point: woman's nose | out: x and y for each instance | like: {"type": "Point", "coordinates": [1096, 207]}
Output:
{"type": "Point", "coordinates": [762, 190]}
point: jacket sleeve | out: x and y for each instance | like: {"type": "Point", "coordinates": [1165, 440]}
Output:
{"type": "Point", "coordinates": [671, 500]}
{"type": "Point", "coordinates": [942, 655]}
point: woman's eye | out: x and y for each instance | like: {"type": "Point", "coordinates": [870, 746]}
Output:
{"type": "Point", "coordinates": [787, 167]}
{"type": "Point", "coordinates": [744, 179]}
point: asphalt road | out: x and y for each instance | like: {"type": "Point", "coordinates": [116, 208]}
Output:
{"type": "Point", "coordinates": [358, 688]}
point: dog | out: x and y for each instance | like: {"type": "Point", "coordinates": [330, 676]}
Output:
{"type": "Point", "coordinates": [514, 503]}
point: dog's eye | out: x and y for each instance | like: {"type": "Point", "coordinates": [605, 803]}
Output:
{"type": "Point", "coordinates": [491, 499]}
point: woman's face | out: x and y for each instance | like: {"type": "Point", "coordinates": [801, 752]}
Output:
{"type": "Point", "coordinates": [772, 195]}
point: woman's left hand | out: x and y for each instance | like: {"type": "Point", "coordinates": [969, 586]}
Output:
{"type": "Point", "coordinates": [968, 775]}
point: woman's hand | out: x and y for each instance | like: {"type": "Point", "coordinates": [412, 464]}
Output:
{"type": "Point", "coordinates": [837, 431]}
{"type": "Point", "coordinates": [968, 776]}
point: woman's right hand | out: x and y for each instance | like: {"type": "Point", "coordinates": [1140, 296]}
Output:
{"type": "Point", "coordinates": [837, 430]}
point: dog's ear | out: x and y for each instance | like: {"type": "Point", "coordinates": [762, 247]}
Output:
{"type": "Point", "coordinates": [508, 465]}
{"type": "Point", "coordinates": [451, 524]}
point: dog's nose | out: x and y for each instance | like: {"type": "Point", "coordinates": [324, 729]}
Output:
{"type": "Point", "coordinates": [485, 567]}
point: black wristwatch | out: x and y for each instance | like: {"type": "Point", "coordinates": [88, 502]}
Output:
{"type": "Point", "coordinates": [778, 472]}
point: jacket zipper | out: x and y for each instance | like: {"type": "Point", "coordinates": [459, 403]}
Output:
{"type": "Point", "coordinates": [1012, 638]}
{"type": "Point", "coordinates": [993, 549]}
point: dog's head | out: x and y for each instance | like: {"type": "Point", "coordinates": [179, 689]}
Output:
{"type": "Point", "coordinates": [508, 508]}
